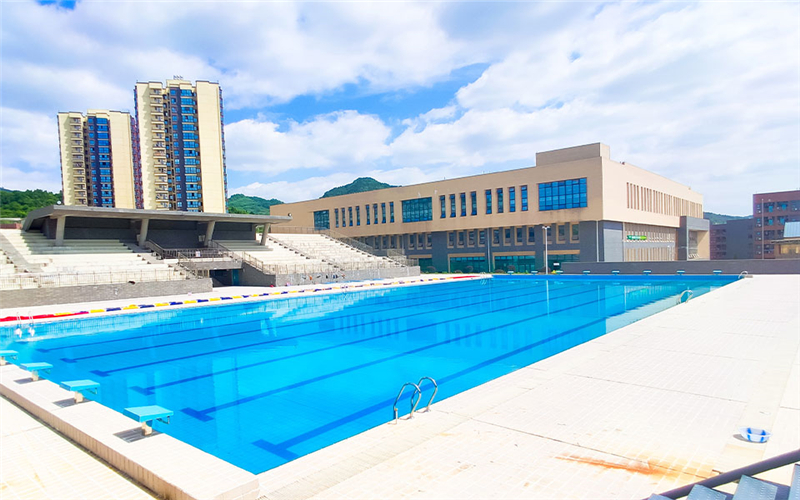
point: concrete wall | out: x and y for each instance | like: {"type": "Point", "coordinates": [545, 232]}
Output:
{"type": "Point", "coordinates": [212, 173]}
{"type": "Point", "coordinates": [752, 266]}
{"type": "Point", "coordinates": [250, 276]}
{"type": "Point", "coordinates": [90, 293]}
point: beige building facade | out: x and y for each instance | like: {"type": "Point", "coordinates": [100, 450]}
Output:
{"type": "Point", "coordinates": [97, 158]}
{"type": "Point", "coordinates": [594, 209]}
{"type": "Point", "coordinates": [182, 146]}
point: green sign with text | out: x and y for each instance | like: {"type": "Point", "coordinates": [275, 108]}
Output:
{"type": "Point", "coordinates": [637, 237]}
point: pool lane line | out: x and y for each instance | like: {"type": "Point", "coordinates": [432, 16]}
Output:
{"type": "Point", "coordinates": [150, 390]}
{"type": "Point", "coordinates": [106, 373]}
{"type": "Point", "coordinates": [203, 414]}
{"type": "Point", "coordinates": [283, 446]}
{"type": "Point", "coordinates": [251, 320]}
{"type": "Point", "coordinates": [248, 320]}
{"type": "Point", "coordinates": [237, 297]}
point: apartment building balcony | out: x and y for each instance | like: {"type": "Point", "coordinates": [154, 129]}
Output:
{"type": "Point", "coordinates": [76, 127]}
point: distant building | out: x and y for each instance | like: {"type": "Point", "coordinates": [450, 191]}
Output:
{"type": "Point", "coordinates": [97, 159]}
{"type": "Point", "coordinates": [732, 240]}
{"type": "Point", "coordinates": [771, 212]}
{"type": "Point", "coordinates": [788, 247]}
{"type": "Point", "coordinates": [590, 207]}
{"type": "Point", "coordinates": [181, 145]}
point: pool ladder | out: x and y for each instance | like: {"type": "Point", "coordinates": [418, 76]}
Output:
{"type": "Point", "coordinates": [415, 401]}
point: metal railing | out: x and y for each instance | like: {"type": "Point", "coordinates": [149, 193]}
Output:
{"type": "Point", "coordinates": [734, 475]}
{"type": "Point", "coordinates": [54, 280]}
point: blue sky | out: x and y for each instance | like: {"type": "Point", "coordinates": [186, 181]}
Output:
{"type": "Point", "coordinates": [317, 94]}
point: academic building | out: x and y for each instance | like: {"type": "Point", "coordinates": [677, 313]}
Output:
{"type": "Point", "coordinates": [170, 157]}
{"type": "Point", "coordinates": [97, 161]}
{"type": "Point", "coordinates": [576, 204]}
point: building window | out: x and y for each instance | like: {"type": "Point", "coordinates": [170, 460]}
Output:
{"type": "Point", "coordinates": [350, 215]}
{"type": "Point", "coordinates": [512, 199]}
{"type": "Point", "coordinates": [443, 206]}
{"type": "Point", "coordinates": [515, 263]}
{"type": "Point", "coordinates": [375, 212]}
{"type": "Point", "coordinates": [559, 195]}
{"type": "Point", "coordinates": [482, 237]}
{"type": "Point", "coordinates": [463, 204]}
{"type": "Point", "coordinates": [468, 264]}
{"type": "Point", "coordinates": [383, 213]}
{"type": "Point", "coordinates": [500, 204]}
{"type": "Point", "coordinates": [562, 232]}
{"type": "Point", "coordinates": [531, 234]}
{"type": "Point", "coordinates": [451, 239]}
{"type": "Point", "coordinates": [507, 240]}
{"type": "Point", "coordinates": [488, 201]}
{"type": "Point", "coordinates": [429, 240]}
{"type": "Point", "coordinates": [461, 238]}
{"type": "Point", "coordinates": [420, 240]}
{"type": "Point", "coordinates": [391, 213]}
{"type": "Point", "coordinates": [496, 237]}
{"type": "Point", "coordinates": [452, 205]}
{"type": "Point", "coordinates": [473, 197]}
{"type": "Point", "coordinates": [520, 236]}
{"type": "Point", "coordinates": [576, 234]}
{"type": "Point", "coordinates": [471, 238]}
{"type": "Point", "coordinates": [358, 216]}
{"type": "Point", "coordinates": [417, 210]}
{"type": "Point", "coordinates": [366, 212]}
{"type": "Point", "coordinates": [322, 219]}
{"type": "Point", "coordinates": [336, 215]}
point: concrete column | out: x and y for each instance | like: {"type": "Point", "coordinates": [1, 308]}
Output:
{"type": "Point", "coordinates": [210, 232]}
{"type": "Point", "coordinates": [143, 232]}
{"type": "Point", "coordinates": [264, 235]}
{"type": "Point", "coordinates": [61, 222]}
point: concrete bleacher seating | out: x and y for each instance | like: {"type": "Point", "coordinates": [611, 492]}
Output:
{"type": "Point", "coordinates": [79, 262]}
{"type": "Point", "coordinates": [6, 266]}
{"type": "Point", "coordinates": [333, 251]}
{"type": "Point", "coordinates": [279, 259]}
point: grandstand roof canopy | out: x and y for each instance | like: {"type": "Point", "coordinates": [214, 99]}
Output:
{"type": "Point", "coordinates": [36, 218]}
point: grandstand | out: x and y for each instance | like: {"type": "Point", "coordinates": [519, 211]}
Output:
{"type": "Point", "coordinates": [341, 255]}
{"type": "Point", "coordinates": [80, 262]}
{"type": "Point", "coordinates": [276, 258]}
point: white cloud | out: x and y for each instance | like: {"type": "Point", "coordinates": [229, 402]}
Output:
{"type": "Point", "coordinates": [335, 140]}
{"type": "Point", "coordinates": [29, 156]}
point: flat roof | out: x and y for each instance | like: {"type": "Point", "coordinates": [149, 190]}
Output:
{"type": "Point", "coordinates": [36, 217]}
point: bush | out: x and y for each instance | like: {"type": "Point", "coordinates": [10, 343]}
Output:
{"type": "Point", "coordinates": [457, 271]}
{"type": "Point", "coordinates": [430, 269]}
{"type": "Point", "coordinates": [469, 269]}
{"type": "Point", "coordinates": [511, 268]}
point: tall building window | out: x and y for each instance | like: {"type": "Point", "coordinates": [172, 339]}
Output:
{"type": "Point", "coordinates": [391, 213]}
{"type": "Point", "coordinates": [350, 215]}
{"type": "Point", "coordinates": [500, 204]}
{"type": "Point", "coordinates": [463, 204]}
{"type": "Point", "coordinates": [473, 197]}
{"type": "Point", "coordinates": [452, 205]}
{"type": "Point", "coordinates": [560, 195]}
{"type": "Point", "coordinates": [523, 191]}
{"type": "Point", "coordinates": [417, 210]}
{"type": "Point", "coordinates": [375, 212]}
{"type": "Point", "coordinates": [358, 215]}
{"type": "Point", "coordinates": [576, 234]}
{"type": "Point", "coordinates": [488, 201]}
{"type": "Point", "coordinates": [336, 214]}
{"type": "Point", "coordinates": [443, 206]}
{"type": "Point", "coordinates": [512, 200]}
{"type": "Point", "coordinates": [366, 212]}
{"type": "Point", "coordinates": [322, 219]}
{"type": "Point", "coordinates": [383, 213]}
{"type": "Point", "coordinates": [531, 234]}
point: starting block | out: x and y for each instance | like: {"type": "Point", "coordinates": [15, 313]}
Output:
{"type": "Point", "coordinates": [80, 388]}
{"type": "Point", "coordinates": [7, 353]}
{"type": "Point", "coordinates": [146, 415]}
{"type": "Point", "coordinates": [35, 368]}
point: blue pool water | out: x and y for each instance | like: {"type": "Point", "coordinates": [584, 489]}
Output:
{"type": "Point", "coordinates": [261, 383]}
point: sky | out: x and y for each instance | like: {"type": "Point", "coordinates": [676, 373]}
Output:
{"type": "Point", "coordinates": [318, 94]}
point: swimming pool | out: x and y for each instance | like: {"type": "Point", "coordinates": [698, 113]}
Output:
{"type": "Point", "coordinates": [263, 382]}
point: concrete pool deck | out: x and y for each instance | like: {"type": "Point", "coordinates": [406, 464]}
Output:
{"type": "Point", "coordinates": [645, 408]}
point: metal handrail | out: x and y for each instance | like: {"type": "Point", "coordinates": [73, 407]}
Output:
{"type": "Point", "coordinates": [59, 279]}
{"type": "Point", "coordinates": [435, 390]}
{"type": "Point", "coordinates": [413, 402]}
{"type": "Point", "coordinates": [742, 274]}
{"type": "Point", "coordinates": [680, 297]}
{"type": "Point", "coordinates": [731, 476]}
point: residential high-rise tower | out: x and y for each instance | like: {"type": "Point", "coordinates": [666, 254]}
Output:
{"type": "Point", "coordinates": [181, 146]}
{"type": "Point", "coordinates": [97, 161]}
